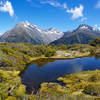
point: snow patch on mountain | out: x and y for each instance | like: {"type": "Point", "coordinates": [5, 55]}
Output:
{"type": "Point", "coordinates": [96, 27]}
{"type": "Point", "coordinates": [53, 31]}
{"type": "Point", "coordinates": [84, 27]}
{"type": "Point", "coordinates": [0, 34]}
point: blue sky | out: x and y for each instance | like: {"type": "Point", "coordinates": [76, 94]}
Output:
{"type": "Point", "coordinates": [62, 14]}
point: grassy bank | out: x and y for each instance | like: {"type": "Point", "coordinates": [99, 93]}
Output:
{"type": "Point", "coordinates": [82, 85]}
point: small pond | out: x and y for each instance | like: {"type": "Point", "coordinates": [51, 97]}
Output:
{"type": "Point", "coordinates": [48, 70]}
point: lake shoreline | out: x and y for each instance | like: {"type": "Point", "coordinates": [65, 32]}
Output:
{"type": "Point", "coordinates": [69, 57]}
{"type": "Point", "coordinates": [32, 59]}
{"type": "Point", "coordinates": [55, 58]}
{"type": "Point", "coordinates": [59, 58]}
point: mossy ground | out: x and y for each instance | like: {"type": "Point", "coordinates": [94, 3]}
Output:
{"type": "Point", "coordinates": [83, 84]}
{"type": "Point", "coordinates": [10, 85]}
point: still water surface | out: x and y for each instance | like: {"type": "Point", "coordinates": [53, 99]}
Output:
{"type": "Point", "coordinates": [48, 70]}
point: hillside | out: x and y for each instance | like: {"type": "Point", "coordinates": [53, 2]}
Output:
{"type": "Point", "coordinates": [82, 35]}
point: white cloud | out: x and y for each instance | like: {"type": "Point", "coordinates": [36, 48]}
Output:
{"type": "Point", "coordinates": [6, 7]}
{"type": "Point", "coordinates": [77, 12]}
{"type": "Point", "coordinates": [55, 4]}
{"type": "Point", "coordinates": [98, 4]}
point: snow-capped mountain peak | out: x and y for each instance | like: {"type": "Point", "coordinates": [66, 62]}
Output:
{"type": "Point", "coordinates": [26, 32]}
{"type": "Point", "coordinates": [53, 31]}
{"type": "Point", "coordinates": [84, 27]}
{"type": "Point", "coordinates": [26, 23]}
{"type": "Point", "coordinates": [36, 27]}
{"type": "Point", "coordinates": [96, 28]}
{"type": "Point", "coordinates": [29, 26]}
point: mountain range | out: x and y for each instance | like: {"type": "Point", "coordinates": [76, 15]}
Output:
{"type": "Point", "coordinates": [82, 35]}
{"type": "Point", "coordinates": [28, 33]}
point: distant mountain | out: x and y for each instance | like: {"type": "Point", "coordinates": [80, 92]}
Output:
{"type": "Point", "coordinates": [82, 34]}
{"type": "Point", "coordinates": [0, 34]}
{"type": "Point", "coordinates": [28, 33]}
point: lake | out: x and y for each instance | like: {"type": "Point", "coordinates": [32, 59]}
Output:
{"type": "Point", "coordinates": [48, 70]}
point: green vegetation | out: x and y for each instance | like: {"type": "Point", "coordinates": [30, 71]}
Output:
{"type": "Point", "coordinates": [14, 57]}
{"type": "Point", "coordinates": [84, 85]}
{"type": "Point", "coordinates": [10, 86]}
{"type": "Point", "coordinates": [95, 42]}
{"type": "Point", "coordinates": [81, 81]}
{"type": "Point", "coordinates": [50, 52]}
